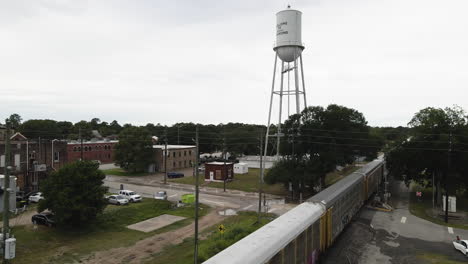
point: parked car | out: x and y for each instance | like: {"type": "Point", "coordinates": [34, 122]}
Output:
{"type": "Point", "coordinates": [20, 196]}
{"type": "Point", "coordinates": [172, 175]}
{"type": "Point", "coordinates": [131, 196]}
{"type": "Point", "coordinates": [462, 246]}
{"type": "Point", "coordinates": [36, 197]}
{"type": "Point", "coordinates": [117, 199]}
{"type": "Point", "coordinates": [45, 218]}
{"type": "Point", "coordinates": [162, 195]}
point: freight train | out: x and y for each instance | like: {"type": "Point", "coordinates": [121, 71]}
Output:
{"type": "Point", "coordinates": [305, 232]}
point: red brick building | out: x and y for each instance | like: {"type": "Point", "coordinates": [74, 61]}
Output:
{"type": "Point", "coordinates": [102, 150]}
{"type": "Point", "coordinates": [32, 160]}
{"type": "Point", "coordinates": [218, 171]}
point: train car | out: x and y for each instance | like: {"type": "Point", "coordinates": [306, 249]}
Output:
{"type": "Point", "coordinates": [342, 200]}
{"type": "Point", "coordinates": [291, 238]}
{"type": "Point", "coordinates": [306, 231]}
{"type": "Point", "coordinates": [373, 172]}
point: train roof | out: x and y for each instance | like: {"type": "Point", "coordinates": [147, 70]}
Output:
{"type": "Point", "coordinates": [330, 194]}
{"type": "Point", "coordinates": [370, 166]}
{"type": "Point", "coordinates": [260, 246]}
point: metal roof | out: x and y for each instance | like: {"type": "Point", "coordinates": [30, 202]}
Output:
{"type": "Point", "coordinates": [169, 147]}
{"type": "Point", "coordinates": [218, 163]}
{"type": "Point", "coordinates": [92, 142]}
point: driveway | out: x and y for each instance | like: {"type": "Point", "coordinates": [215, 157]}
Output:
{"type": "Point", "coordinates": [23, 218]}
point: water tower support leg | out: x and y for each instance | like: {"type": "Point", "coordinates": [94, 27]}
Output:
{"type": "Point", "coordinates": [280, 111]}
{"type": "Point", "coordinates": [296, 82]}
{"type": "Point", "coordinates": [303, 83]}
{"type": "Point", "coordinates": [271, 105]}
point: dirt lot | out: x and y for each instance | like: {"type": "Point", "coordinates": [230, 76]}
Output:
{"type": "Point", "coordinates": [144, 248]}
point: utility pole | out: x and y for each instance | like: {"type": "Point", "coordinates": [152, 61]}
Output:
{"type": "Point", "coordinates": [81, 139]}
{"type": "Point", "coordinates": [224, 156]}
{"type": "Point", "coordinates": [195, 253]}
{"type": "Point", "coordinates": [39, 155]}
{"type": "Point", "coordinates": [6, 190]}
{"type": "Point", "coordinates": [165, 156]}
{"type": "Point", "coordinates": [433, 191]}
{"type": "Point", "coordinates": [260, 178]}
{"type": "Point", "coordinates": [447, 176]}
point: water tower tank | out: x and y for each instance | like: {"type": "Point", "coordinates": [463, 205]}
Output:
{"type": "Point", "coordinates": [288, 35]}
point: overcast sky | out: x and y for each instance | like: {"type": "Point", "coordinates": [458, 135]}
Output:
{"type": "Point", "coordinates": [211, 61]}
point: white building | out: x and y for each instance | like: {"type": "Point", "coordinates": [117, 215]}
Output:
{"type": "Point", "coordinates": [241, 168]}
{"type": "Point", "coordinates": [254, 161]}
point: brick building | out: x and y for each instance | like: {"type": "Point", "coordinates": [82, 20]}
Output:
{"type": "Point", "coordinates": [178, 157]}
{"type": "Point", "coordinates": [219, 171]}
{"type": "Point", "coordinates": [32, 160]}
{"type": "Point", "coordinates": [101, 150]}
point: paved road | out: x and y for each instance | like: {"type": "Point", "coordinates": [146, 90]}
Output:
{"type": "Point", "coordinates": [402, 222]}
{"type": "Point", "coordinates": [395, 237]}
{"type": "Point", "coordinates": [237, 200]}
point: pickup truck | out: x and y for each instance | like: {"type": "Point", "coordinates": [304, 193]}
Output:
{"type": "Point", "coordinates": [131, 196]}
{"type": "Point", "coordinates": [461, 245]}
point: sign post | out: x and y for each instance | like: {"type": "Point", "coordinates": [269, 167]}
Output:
{"type": "Point", "coordinates": [419, 195]}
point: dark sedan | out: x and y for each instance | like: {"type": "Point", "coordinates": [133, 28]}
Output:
{"type": "Point", "coordinates": [43, 219]}
{"type": "Point", "coordinates": [172, 175]}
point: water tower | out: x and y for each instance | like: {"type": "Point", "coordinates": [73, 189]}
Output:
{"type": "Point", "coordinates": [288, 48]}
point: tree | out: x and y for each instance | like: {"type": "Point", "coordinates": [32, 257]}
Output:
{"type": "Point", "coordinates": [83, 128]}
{"type": "Point", "coordinates": [435, 149]}
{"type": "Point", "coordinates": [15, 120]}
{"type": "Point", "coordinates": [94, 123]}
{"type": "Point", "coordinates": [242, 138]}
{"type": "Point", "coordinates": [134, 152]}
{"type": "Point", "coordinates": [75, 193]}
{"type": "Point", "coordinates": [66, 129]}
{"type": "Point", "coordinates": [319, 139]}
{"type": "Point", "coordinates": [300, 173]}
{"type": "Point", "coordinates": [115, 127]}
{"type": "Point", "coordinates": [45, 129]}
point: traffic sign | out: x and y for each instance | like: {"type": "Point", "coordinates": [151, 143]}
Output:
{"type": "Point", "coordinates": [221, 228]}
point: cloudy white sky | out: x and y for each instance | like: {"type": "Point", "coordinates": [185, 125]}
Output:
{"type": "Point", "coordinates": [205, 61]}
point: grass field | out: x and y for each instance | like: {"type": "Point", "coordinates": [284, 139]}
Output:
{"type": "Point", "coordinates": [242, 182]}
{"type": "Point", "coordinates": [249, 182]}
{"type": "Point", "coordinates": [212, 241]}
{"type": "Point", "coordinates": [54, 245]}
{"type": "Point", "coordinates": [122, 172]}
{"type": "Point", "coordinates": [421, 207]}
{"type": "Point", "coordinates": [437, 259]}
